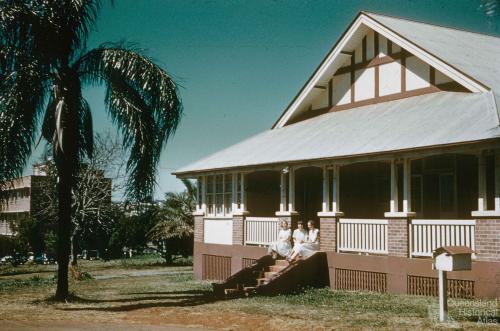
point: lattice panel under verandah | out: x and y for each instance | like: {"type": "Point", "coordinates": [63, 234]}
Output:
{"type": "Point", "coordinates": [359, 280]}
{"type": "Point", "coordinates": [215, 267]}
{"type": "Point", "coordinates": [428, 286]}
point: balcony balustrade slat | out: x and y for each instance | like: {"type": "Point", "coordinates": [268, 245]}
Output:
{"type": "Point", "coordinates": [431, 234]}
{"type": "Point", "coordinates": [261, 230]}
{"type": "Point", "coordinates": [362, 236]}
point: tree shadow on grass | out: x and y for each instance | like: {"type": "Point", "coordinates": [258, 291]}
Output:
{"type": "Point", "coordinates": [173, 292]}
{"type": "Point", "coordinates": [162, 299]}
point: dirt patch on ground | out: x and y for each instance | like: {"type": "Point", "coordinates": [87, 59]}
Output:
{"type": "Point", "coordinates": [200, 319]}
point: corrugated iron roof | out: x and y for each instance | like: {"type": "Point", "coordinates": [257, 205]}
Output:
{"type": "Point", "coordinates": [429, 120]}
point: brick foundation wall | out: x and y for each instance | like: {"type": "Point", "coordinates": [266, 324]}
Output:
{"type": "Point", "coordinates": [397, 237]}
{"type": "Point", "coordinates": [488, 239]}
{"type": "Point", "coordinates": [238, 230]}
{"type": "Point", "coordinates": [328, 234]}
{"type": "Point", "coordinates": [198, 228]}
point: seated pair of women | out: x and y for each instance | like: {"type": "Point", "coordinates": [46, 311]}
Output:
{"type": "Point", "coordinates": [305, 244]}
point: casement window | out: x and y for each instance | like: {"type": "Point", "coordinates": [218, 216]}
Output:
{"type": "Point", "coordinates": [210, 195]}
{"type": "Point", "coordinates": [219, 193]}
{"type": "Point", "coordinates": [228, 194]}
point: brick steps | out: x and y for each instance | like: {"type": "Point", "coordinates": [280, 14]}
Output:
{"type": "Point", "coordinates": [267, 276]}
{"type": "Point", "coordinates": [276, 268]}
{"type": "Point", "coordinates": [261, 277]}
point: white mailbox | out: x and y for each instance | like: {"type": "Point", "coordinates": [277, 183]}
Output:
{"type": "Point", "coordinates": [452, 258]}
{"type": "Point", "coordinates": [449, 258]}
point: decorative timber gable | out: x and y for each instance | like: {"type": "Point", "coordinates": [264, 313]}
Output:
{"type": "Point", "coordinates": [372, 64]}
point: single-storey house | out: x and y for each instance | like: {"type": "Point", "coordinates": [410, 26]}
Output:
{"type": "Point", "coordinates": [392, 146]}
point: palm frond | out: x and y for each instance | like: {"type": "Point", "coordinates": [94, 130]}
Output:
{"type": "Point", "coordinates": [52, 29]}
{"type": "Point", "coordinates": [191, 187]}
{"type": "Point", "coordinates": [22, 97]}
{"type": "Point", "coordinates": [143, 99]}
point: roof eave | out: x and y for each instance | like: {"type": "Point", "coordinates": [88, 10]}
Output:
{"type": "Point", "coordinates": [195, 173]}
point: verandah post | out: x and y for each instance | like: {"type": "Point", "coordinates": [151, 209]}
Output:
{"type": "Point", "coordinates": [394, 187]}
{"type": "Point", "coordinates": [482, 203]}
{"type": "Point", "coordinates": [287, 204]}
{"type": "Point", "coordinates": [283, 188]}
{"type": "Point", "coordinates": [326, 189]}
{"type": "Point", "coordinates": [487, 229]}
{"type": "Point", "coordinates": [328, 218]}
{"type": "Point", "coordinates": [291, 190]}
{"type": "Point", "coordinates": [239, 213]}
{"type": "Point", "coordinates": [398, 227]}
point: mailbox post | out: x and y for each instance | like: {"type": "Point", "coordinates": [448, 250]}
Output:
{"type": "Point", "coordinates": [449, 258]}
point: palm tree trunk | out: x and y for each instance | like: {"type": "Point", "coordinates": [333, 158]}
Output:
{"type": "Point", "coordinates": [74, 249]}
{"type": "Point", "coordinates": [64, 230]}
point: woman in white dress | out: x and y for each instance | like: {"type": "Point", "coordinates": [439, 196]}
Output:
{"type": "Point", "coordinates": [309, 247]}
{"type": "Point", "coordinates": [299, 234]}
{"type": "Point", "coordinates": [282, 246]}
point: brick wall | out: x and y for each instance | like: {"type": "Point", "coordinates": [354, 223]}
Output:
{"type": "Point", "coordinates": [292, 221]}
{"type": "Point", "coordinates": [397, 237]}
{"type": "Point", "coordinates": [488, 239]}
{"type": "Point", "coordinates": [198, 228]}
{"type": "Point", "coordinates": [238, 230]}
{"type": "Point", "coordinates": [328, 233]}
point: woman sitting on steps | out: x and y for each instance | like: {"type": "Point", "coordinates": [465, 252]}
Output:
{"type": "Point", "coordinates": [281, 246]}
{"type": "Point", "coordinates": [309, 247]}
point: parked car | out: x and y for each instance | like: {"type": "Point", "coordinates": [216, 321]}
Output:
{"type": "Point", "coordinates": [92, 254]}
{"type": "Point", "coordinates": [6, 259]}
{"type": "Point", "coordinates": [51, 259]}
{"type": "Point", "coordinates": [19, 259]}
{"type": "Point", "coordinates": [31, 257]}
{"type": "Point", "coordinates": [41, 259]}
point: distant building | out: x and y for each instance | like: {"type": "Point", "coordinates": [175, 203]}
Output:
{"type": "Point", "coordinates": [23, 198]}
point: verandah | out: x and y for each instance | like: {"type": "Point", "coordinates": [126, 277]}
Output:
{"type": "Point", "coordinates": [437, 195]}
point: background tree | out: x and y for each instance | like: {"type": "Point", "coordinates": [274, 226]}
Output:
{"type": "Point", "coordinates": [491, 8]}
{"type": "Point", "coordinates": [44, 63]}
{"type": "Point", "coordinates": [131, 230]}
{"type": "Point", "coordinates": [99, 178]}
{"type": "Point", "coordinates": [29, 234]}
{"type": "Point", "coordinates": [173, 232]}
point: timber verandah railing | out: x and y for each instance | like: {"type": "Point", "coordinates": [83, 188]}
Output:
{"type": "Point", "coordinates": [261, 230]}
{"type": "Point", "coordinates": [426, 235]}
{"type": "Point", "coordinates": [370, 236]}
{"type": "Point", "coordinates": [362, 236]}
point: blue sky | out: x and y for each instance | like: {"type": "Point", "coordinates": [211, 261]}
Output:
{"type": "Point", "coordinates": [241, 62]}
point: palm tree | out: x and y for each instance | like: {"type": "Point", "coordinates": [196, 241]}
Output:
{"type": "Point", "coordinates": [176, 220]}
{"type": "Point", "coordinates": [44, 63]}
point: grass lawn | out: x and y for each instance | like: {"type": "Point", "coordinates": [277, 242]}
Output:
{"type": "Point", "coordinates": [142, 291]}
